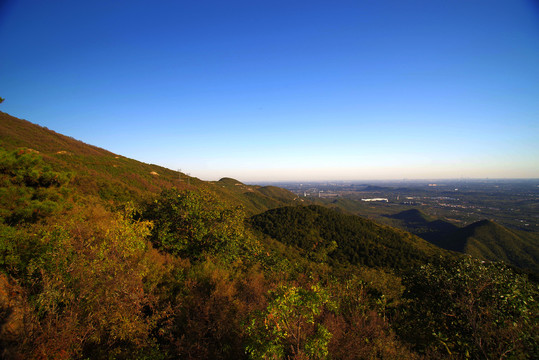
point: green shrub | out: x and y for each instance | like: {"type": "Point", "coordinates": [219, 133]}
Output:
{"type": "Point", "coordinates": [471, 308]}
{"type": "Point", "coordinates": [191, 224]}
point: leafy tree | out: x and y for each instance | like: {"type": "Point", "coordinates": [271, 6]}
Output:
{"type": "Point", "coordinates": [190, 224]}
{"type": "Point", "coordinates": [471, 308]}
{"type": "Point", "coordinates": [289, 327]}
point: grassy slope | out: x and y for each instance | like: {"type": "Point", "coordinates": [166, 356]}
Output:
{"type": "Point", "coordinates": [97, 171]}
{"type": "Point", "coordinates": [254, 198]}
{"type": "Point", "coordinates": [117, 178]}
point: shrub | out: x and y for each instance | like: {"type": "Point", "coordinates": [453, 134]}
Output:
{"type": "Point", "coordinates": [471, 308]}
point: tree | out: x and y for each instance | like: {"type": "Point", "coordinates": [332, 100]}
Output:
{"type": "Point", "coordinates": [191, 224]}
{"type": "Point", "coordinates": [289, 327]}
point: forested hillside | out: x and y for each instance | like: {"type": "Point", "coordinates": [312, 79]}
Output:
{"type": "Point", "coordinates": [104, 257]}
{"type": "Point", "coordinates": [345, 239]}
{"type": "Point", "coordinates": [484, 239]}
{"type": "Point", "coordinates": [490, 241]}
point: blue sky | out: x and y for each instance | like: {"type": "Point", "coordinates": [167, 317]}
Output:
{"type": "Point", "coordinates": [284, 90]}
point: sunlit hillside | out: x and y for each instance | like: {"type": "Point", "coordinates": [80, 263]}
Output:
{"type": "Point", "coordinates": [117, 178]}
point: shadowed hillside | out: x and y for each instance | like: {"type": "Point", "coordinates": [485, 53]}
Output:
{"type": "Point", "coordinates": [483, 239]}
{"type": "Point", "coordinates": [489, 241]}
{"type": "Point", "coordinates": [412, 216]}
{"type": "Point", "coordinates": [422, 225]}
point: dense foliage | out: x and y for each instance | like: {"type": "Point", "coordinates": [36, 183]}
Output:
{"type": "Point", "coordinates": [288, 327]}
{"type": "Point", "coordinates": [29, 188]}
{"type": "Point", "coordinates": [471, 308]}
{"type": "Point", "coordinates": [322, 232]}
{"type": "Point", "coordinates": [191, 224]}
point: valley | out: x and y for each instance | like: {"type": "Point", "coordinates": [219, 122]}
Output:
{"type": "Point", "coordinates": [510, 202]}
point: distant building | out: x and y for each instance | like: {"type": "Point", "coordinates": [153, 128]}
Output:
{"type": "Point", "coordinates": [328, 195]}
{"type": "Point", "coordinates": [376, 199]}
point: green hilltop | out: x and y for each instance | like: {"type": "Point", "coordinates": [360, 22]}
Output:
{"type": "Point", "coordinates": [254, 198]}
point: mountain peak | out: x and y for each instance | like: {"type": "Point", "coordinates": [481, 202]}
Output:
{"type": "Point", "coordinates": [412, 215]}
{"type": "Point", "coordinates": [230, 181]}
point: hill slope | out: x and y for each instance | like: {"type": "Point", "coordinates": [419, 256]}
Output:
{"type": "Point", "coordinates": [83, 274]}
{"type": "Point", "coordinates": [254, 198]}
{"type": "Point", "coordinates": [117, 178]}
{"type": "Point", "coordinates": [489, 241]}
{"type": "Point", "coordinates": [344, 238]}
{"type": "Point", "coordinates": [412, 216]}
{"type": "Point", "coordinates": [483, 239]}
{"type": "Point", "coordinates": [422, 225]}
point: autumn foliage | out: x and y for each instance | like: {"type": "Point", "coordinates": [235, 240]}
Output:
{"type": "Point", "coordinates": [185, 274]}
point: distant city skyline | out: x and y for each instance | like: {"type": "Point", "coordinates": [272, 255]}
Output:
{"type": "Point", "coordinates": [284, 90]}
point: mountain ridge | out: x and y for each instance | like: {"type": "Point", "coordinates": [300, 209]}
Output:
{"type": "Point", "coordinates": [103, 257]}
{"type": "Point", "coordinates": [483, 239]}
{"type": "Point", "coordinates": [118, 178]}
{"type": "Point", "coordinates": [488, 240]}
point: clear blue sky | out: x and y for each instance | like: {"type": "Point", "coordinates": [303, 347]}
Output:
{"type": "Point", "coordinates": [284, 90]}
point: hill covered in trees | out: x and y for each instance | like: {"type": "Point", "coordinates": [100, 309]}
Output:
{"type": "Point", "coordinates": [490, 241]}
{"type": "Point", "coordinates": [345, 239]}
{"type": "Point", "coordinates": [483, 239]}
{"type": "Point", "coordinates": [105, 257]}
